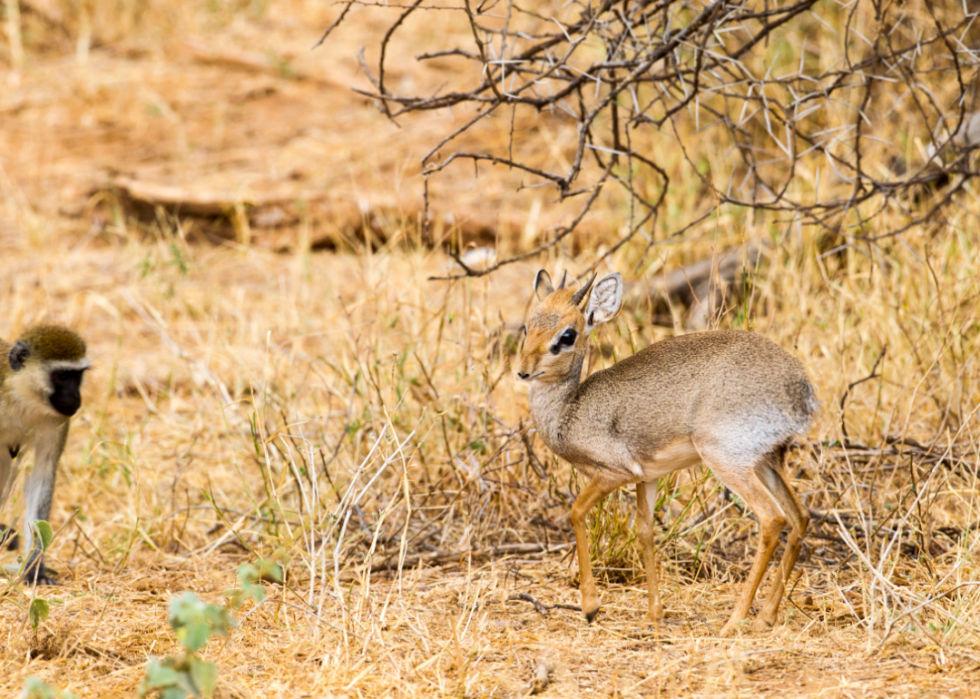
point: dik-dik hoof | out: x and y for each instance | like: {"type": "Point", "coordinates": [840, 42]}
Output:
{"type": "Point", "coordinates": [590, 614]}
{"type": "Point", "coordinates": [729, 628]}
{"type": "Point", "coordinates": [654, 615]}
{"type": "Point", "coordinates": [763, 624]}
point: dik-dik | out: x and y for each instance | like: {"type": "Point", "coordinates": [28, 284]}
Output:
{"type": "Point", "coordinates": [731, 400]}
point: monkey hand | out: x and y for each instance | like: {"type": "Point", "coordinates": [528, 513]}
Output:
{"type": "Point", "coordinates": [36, 573]}
{"type": "Point", "coordinates": [9, 538]}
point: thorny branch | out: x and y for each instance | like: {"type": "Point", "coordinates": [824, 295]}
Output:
{"type": "Point", "coordinates": [818, 115]}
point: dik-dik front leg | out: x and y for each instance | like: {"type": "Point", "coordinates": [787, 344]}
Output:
{"type": "Point", "coordinates": [646, 501]}
{"type": "Point", "coordinates": [587, 499]}
{"type": "Point", "coordinates": [39, 494]}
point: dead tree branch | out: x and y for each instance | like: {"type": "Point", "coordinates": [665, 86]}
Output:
{"type": "Point", "coordinates": [792, 109]}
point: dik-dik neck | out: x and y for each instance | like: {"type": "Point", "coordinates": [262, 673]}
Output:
{"type": "Point", "coordinates": [549, 403]}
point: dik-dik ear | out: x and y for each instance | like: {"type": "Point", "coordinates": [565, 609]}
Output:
{"type": "Point", "coordinates": [604, 303]}
{"type": "Point", "coordinates": [542, 285]}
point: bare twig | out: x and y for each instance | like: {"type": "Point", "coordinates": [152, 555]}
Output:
{"type": "Point", "coordinates": [843, 398]}
{"type": "Point", "coordinates": [540, 608]}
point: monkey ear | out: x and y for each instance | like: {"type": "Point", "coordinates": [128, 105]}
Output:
{"type": "Point", "coordinates": [18, 355]}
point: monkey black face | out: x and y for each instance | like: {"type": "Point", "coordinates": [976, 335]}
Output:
{"type": "Point", "coordinates": [66, 384]}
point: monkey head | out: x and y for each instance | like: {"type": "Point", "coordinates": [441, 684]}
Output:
{"type": "Point", "coordinates": [48, 362]}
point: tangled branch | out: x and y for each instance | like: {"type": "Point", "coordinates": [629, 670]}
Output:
{"type": "Point", "coordinates": [823, 116]}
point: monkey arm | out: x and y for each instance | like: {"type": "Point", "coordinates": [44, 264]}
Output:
{"type": "Point", "coordinates": [8, 474]}
{"type": "Point", "coordinates": [39, 492]}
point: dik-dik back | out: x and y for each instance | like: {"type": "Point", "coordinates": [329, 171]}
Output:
{"type": "Point", "coordinates": [732, 388]}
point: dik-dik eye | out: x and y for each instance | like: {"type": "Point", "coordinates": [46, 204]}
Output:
{"type": "Point", "coordinates": [566, 340]}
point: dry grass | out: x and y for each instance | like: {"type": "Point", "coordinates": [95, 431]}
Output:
{"type": "Point", "coordinates": [341, 411]}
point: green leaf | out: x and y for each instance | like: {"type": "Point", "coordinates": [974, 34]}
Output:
{"type": "Point", "coordinates": [220, 620]}
{"type": "Point", "coordinates": [158, 676]}
{"type": "Point", "coordinates": [205, 676]}
{"type": "Point", "coordinates": [187, 619]}
{"type": "Point", "coordinates": [236, 598]}
{"type": "Point", "coordinates": [249, 576]}
{"type": "Point", "coordinates": [184, 608]}
{"type": "Point", "coordinates": [38, 612]}
{"type": "Point", "coordinates": [194, 622]}
{"type": "Point", "coordinates": [44, 533]}
{"type": "Point", "coordinates": [194, 635]}
{"type": "Point", "coordinates": [36, 689]}
{"type": "Point", "coordinates": [270, 571]}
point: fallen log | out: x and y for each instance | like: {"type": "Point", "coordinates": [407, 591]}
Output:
{"type": "Point", "coordinates": [195, 202]}
{"type": "Point", "coordinates": [366, 219]}
{"type": "Point", "coordinates": [704, 286]}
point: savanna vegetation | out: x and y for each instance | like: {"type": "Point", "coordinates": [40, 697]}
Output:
{"type": "Point", "coordinates": [303, 467]}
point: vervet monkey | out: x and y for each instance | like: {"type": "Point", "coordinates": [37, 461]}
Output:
{"type": "Point", "coordinates": [40, 378]}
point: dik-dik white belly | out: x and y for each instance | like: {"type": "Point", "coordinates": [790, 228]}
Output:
{"type": "Point", "coordinates": [678, 454]}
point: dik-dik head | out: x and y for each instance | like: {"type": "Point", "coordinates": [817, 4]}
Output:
{"type": "Point", "coordinates": [557, 329]}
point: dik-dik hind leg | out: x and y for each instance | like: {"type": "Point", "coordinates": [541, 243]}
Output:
{"type": "Point", "coordinates": [799, 518]}
{"type": "Point", "coordinates": [586, 500]}
{"type": "Point", "coordinates": [746, 482]}
{"type": "Point", "coordinates": [646, 501]}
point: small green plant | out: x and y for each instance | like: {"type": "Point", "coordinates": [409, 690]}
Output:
{"type": "Point", "coordinates": [38, 612]}
{"type": "Point", "coordinates": [194, 623]}
{"type": "Point", "coordinates": [36, 689]}
{"type": "Point", "coordinates": [249, 577]}
{"type": "Point", "coordinates": [39, 608]}
{"type": "Point", "coordinates": [178, 259]}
